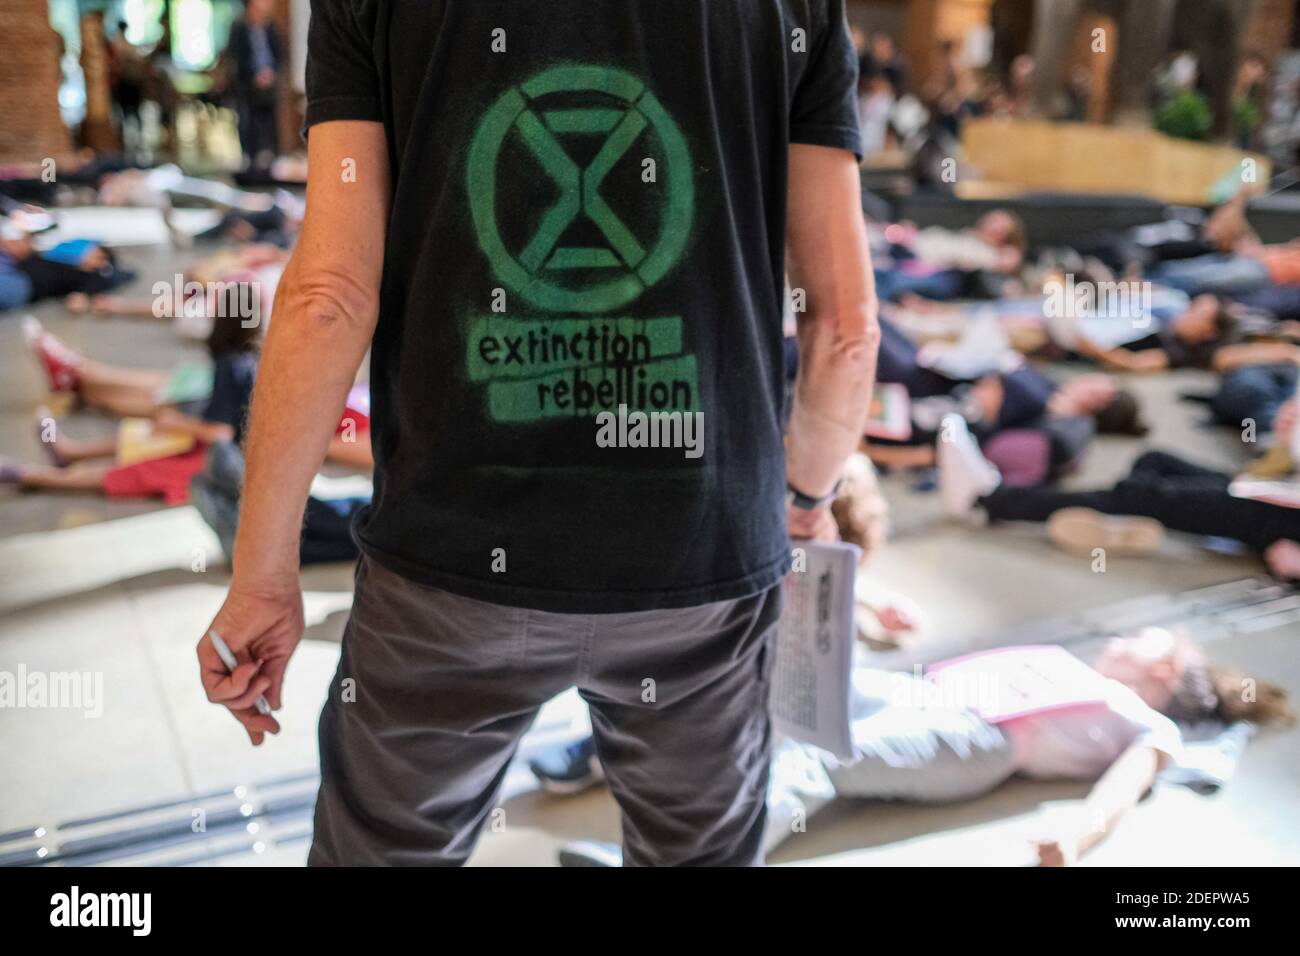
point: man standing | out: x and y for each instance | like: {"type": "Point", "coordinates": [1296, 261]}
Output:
{"type": "Point", "coordinates": [256, 53]}
{"type": "Point", "coordinates": [538, 216]}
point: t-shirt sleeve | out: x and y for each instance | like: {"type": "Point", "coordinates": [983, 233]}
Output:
{"type": "Point", "coordinates": [824, 109]}
{"type": "Point", "coordinates": [342, 80]}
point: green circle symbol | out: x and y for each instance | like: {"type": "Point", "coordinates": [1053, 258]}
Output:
{"type": "Point", "coordinates": [530, 271]}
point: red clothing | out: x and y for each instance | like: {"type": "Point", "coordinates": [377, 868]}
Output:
{"type": "Point", "coordinates": [167, 478]}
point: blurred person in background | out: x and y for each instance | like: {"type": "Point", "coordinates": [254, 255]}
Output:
{"type": "Point", "coordinates": [256, 55]}
{"type": "Point", "coordinates": [127, 76]}
{"type": "Point", "coordinates": [884, 58]}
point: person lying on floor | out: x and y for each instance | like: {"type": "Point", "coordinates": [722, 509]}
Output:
{"type": "Point", "coordinates": [157, 186]}
{"type": "Point", "coordinates": [943, 264]}
{"type": "Point", "coordinates": [1186, 236]}
{"type": "Point", "coordinates": [995, 243]}
{"type": "Point", "coordinates": [1140, 248]}
{"type": "Point", "coordinates": [1116, 723]}
{"type": "Point", "coordinates": [30, 219]}
{"type": "Point", "coordinates": [219, 417]}
{"type": "Point", "coordinates": [1211, 333]}
{"type": "Point", "coordinates": [233, 347]}
{"type": "Point", "coordinates": [75, 266]}
{"type": "Point", "coordinates": [1040, 429]}
{"type": "Point", "coordinates": [1195, 338]}
{"type": "Point", "coordinates": [1169, 329]}
{"type": "Point", "coordinates": [1036, 430]}
{"type": "Point", "coordinates": [278, 225]}
{"type": "Point", "coordinates": [1161, 492]}
{"type": "Point", "coordinates": [1242, 266]}
{"type": "Point", "coordinates": [85, 167]}
{"type": "Point", "coordinates": [123, 392]}
{"type": "Point", "coordinates": [238, 279]}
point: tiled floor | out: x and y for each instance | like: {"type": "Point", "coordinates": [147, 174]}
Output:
{"type": "Point", "coordinates": [111, 588]}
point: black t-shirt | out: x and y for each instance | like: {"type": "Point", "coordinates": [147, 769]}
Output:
{"type": "Point", "coordinates": [233, 377]}
{"type": "Point", "coordinates": [588, 211]}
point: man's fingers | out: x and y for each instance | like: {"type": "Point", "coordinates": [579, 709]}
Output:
{"type": "Point", "coordinates": [256, 724]}
{"type": "Point", "coordinates": [223, 687]}
{"type": "Point", "coordinates": [249, 697]}
{"type": "Point", "coordinates": [273, 669]}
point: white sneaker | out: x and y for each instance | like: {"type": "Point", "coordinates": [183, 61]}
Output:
{"type": "Point", "coordinates": [965, 475]}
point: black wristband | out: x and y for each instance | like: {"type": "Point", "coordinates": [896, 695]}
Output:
{"type": "Point", "coordinates": [798, 499]}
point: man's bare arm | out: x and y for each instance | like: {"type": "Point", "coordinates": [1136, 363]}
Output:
{"type": "Point", "coordinates": [326, 308]}
{"type": "Point", "coordinates": [829, 259]}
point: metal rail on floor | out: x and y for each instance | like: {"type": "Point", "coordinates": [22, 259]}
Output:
{"type": "Point", "coordinates": [249, 818]}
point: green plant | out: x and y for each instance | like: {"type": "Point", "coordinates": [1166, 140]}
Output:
{"type": "Point", "coordinates": [1185, 116]}
{"type": "Point", "coordinates": [1245, 115]}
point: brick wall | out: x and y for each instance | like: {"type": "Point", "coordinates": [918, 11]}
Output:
{"type": "Point", "coordinates": [30, 126]}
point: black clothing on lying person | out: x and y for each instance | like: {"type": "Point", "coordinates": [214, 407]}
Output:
{"type": "Point", "coordinates": [54, 280]}
{"type": "Point", "coordinates": [1181, 495]}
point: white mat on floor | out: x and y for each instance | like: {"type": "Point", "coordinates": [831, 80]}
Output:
{"type": "Point", "coordinates": [48, 564]}
{"type": "Point", "coordinates": [124, 226]}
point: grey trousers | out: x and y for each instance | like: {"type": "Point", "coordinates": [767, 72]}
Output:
{"type": "Point", "coordinates": [434, 691]}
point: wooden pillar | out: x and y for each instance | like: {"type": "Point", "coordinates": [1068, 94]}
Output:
{"type": "Point", "coordinates": [929, 23]}
{"type": "Point", "coordinates": [30, 125]}
{"type": "Point", "coordinates": [97, 129]}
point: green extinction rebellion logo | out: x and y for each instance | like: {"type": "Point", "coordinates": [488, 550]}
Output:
{"type": "Point", "coordinates": [582, 196]}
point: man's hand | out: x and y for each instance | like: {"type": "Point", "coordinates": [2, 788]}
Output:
{"type": "Point", "coordinates": [816, 525]}
{"type": "Point", "coordinates": [262, 627]}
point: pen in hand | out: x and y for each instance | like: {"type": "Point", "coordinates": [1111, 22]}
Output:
{"type": "Point", "coordinates": [228, 658]}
